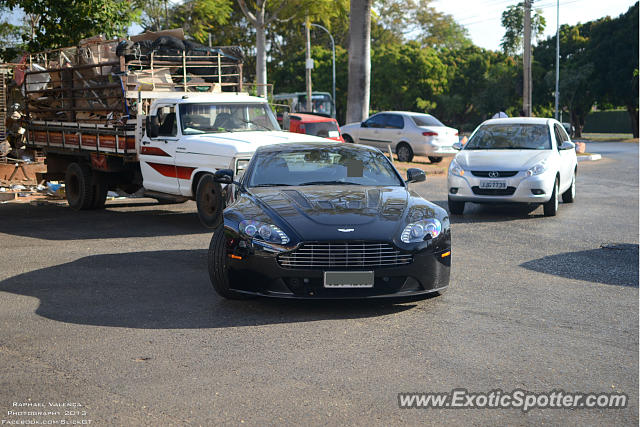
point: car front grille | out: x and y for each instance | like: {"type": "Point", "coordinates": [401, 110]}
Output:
{"type": "Point", "coordinates": [344, 255]}
{"type": "Point", "coordinates": [493, 191]}
{"type": "Point", "coordinates": [500, 174]}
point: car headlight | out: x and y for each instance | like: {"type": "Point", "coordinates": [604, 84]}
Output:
{"type": "Point", "coordinates": [455, 169]}
{"type": "Point", "coordinates": [419, 230]}
{"type": "Point", "coordinates": [537, 169]}
{"type": "Point", "coordinates": [241, 166]}
{"type": "Point", "coordinates": [262, 231]}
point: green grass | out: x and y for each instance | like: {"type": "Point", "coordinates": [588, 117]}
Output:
{"type": "Point", "coordinates": [607, 137]}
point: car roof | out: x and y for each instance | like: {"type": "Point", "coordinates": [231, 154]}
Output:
{"type": "Point", "coordinates": [518, 121]}
{"type": "Point", "coordinates": [311, 118]}
{"type": "Point", "coordinates": [304, 145]}
{"type": "Point", "coordinates": [405, 112]}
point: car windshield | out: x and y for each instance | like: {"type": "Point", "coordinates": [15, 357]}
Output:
{"type": "Point", "coordinates": [323, 166]}
{"type": "Point", "coordinates": [425, 120]}
{"type": "Point", "coordinates": [327, 129]}
{"type": "Point", "coordinates": [518, 136]}
{"type": "Point", "coordinates": [212, 118]}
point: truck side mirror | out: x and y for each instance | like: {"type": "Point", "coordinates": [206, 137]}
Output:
{"type": "Point", "coordinates": [153, 127]}
{"type": "Point", "coordinates": [223, 176]}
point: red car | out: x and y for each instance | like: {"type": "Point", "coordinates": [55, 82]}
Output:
{"type": "Point", "coordinates": [311, 124]}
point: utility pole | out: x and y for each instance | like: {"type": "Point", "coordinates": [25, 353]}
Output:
{"type": "Point", "coordinates": [557, 59]}
{"type": "Point", "coordinates": [333, 55]}
{"type": "Point", "coordinates": [166, 15]}
{"type": "Point", "coordinates": [308, 64]}
{"type": "Point", "coordinates": [526, 57]}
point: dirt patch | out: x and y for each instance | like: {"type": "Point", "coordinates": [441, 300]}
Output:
{"type": "Point", "coordinates": [423, 163]}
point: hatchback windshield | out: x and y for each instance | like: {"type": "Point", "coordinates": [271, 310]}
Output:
{"type": "Point", "coordinates": [320, 166]}
{"type": "Point", "coordinates": [212, 118]}
{"type": "Point", "coordinates": [511, 137]}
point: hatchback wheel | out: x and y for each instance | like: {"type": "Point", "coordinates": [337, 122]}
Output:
{"type": "Point", "coordinates": [551, 207]}
{"type": "Point", "coordinates": [570, 195]}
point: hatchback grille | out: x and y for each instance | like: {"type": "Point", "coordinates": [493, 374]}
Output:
{"type": "Point", "coordinates": [493, 191]}
{"type": "Point", "coordinates": [500, 174]}
{"type": "Point", "coordinates": [344, 255]}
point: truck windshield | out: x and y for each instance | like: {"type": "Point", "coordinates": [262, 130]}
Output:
{"type": "Point", "coordinates": [213, 118]}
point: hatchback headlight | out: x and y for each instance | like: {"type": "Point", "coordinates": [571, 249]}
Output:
{"type": "Point", "coordinates": [455, 168]}
{"type": "Point", "coordinates": [537, 169]}
{"type": "Point", "coordinates": [263, 231]}
{"type": "Point", "coordinates": [417, 231]}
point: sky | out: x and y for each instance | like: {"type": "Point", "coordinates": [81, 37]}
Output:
{"type": "Point", "coordinates": [481, 18]}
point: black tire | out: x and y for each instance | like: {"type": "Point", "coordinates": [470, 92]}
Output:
{"type": "Point", "coordinates": [569, 196]}
{"type": "Point", "coordinates": [78, 186]}
{"type": "Point", "coordinates": [551, 207]}
{"type": "Point", "coordinates": [455, 207]}
{"type": "Point", "coordinates": [218, 271]}
{"type": "Point", "coordinates": [433, 159]}
{"type": "Point", "coordinates": [347, 138]}
{"type": "Point", "coordinates": [209, 201]}
{"type": "Point", "coordinates": [404, 152]}
{"type": "Point", "coordinates": [100, 189]}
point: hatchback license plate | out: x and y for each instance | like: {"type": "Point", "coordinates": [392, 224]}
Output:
{"type": "Point", "coordinates": [348, 279]}
{"type": "Point", "coordinates": [495, 185]}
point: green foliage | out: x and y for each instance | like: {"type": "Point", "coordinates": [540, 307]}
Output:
{"type": "Point", "coordinates": [513, 22]}
{"type": "Point", "coordinates": [199, 18]}
{"type": "Point", "coordinates": [60, 23]}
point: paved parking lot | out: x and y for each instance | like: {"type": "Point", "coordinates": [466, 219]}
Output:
{"type": "Point", "coordinates": [113, 310]}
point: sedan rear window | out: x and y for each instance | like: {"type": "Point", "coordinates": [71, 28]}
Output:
{"type": "Point", "coordinates": [517, 136]}
{"type": "Point", "coordinates": [425, 120]}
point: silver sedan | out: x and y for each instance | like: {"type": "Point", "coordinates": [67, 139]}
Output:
{"type": "Point", "coordinates": [407, 133]}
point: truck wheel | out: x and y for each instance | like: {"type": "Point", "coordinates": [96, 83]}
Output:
{"type": "Point", "coordinates": [218, 271]}
{"type": "Point", "coordinates": [78, 186]}
{"type": "Point", "coordinates": [100, 189]}
{"type": "Point", "coordinates": [209, 201]}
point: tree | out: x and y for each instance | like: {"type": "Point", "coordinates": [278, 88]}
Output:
{"type": "Point", "coordinates": [513, 22]}
{"type": "Point", "coordinates": [65, 22]}
{"type": "Point", "coordinates": [614, 54]}
{"type": "Point", "coordinates": [199, 18]}
{"type": "Point", "coordinates": [359, 60]}
{"type": "Point", "coordinates": [154, 14]}
{"type": "Point", "coordinates": [418, 20]}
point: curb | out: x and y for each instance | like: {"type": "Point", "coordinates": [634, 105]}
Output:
{"type": "Point", "coordinates": [590, 158]}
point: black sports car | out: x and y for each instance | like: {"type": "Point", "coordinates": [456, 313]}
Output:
{"type": "Point", "coordinates": [328, 220]}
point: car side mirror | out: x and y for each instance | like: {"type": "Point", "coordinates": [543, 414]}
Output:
{"type": "Point", "coordinates": [223, 176]}
{"type": "Point", "coordinates": [456, 146]}
{"type": "Point", "coordinates": [415, 175]}
{"type": "Point", "coordinates": [363, 125]}
{"type": "Point", "coordinates": [567, 145]}
{"type": "Point", "coordinates": [153, 127]}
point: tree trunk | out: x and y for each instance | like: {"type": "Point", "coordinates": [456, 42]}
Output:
{"type": "Point", "coordinates": [359, 60]}
{"type": "Point", "coordinates": [575, 121]}
{"type": "Point", "coordinates": [261, 59]}
{"type": "Point", "coordinates": [633, 114]}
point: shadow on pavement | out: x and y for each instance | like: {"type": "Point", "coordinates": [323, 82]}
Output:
{"type": "Point", "coordinates": [163, 290]}
{"type": "Point", "coordinates": [53, 222]}
{"type": "Point", "coordinates": [610, 265]}
{"type": "Point", "coordinates": [474, 212]}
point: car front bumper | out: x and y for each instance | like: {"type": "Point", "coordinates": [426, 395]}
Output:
{"type": "Point", "coordinates": [258, 272]}
{"type": "Point", "coordinates": [523, 187]}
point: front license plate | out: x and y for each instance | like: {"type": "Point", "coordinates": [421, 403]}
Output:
{"type": "Point", "coordinates": [348, 279]}
{"type": "Point", "coordinates": [496, 185]}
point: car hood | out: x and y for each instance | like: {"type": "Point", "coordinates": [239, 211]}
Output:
{"type": "Point", "coordinates": [320, 212]}
{"type": "Point", "coordinates": [500, 159]}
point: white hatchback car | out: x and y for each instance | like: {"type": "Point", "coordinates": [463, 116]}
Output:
{"type": "Point", "coordinates": [523, 160]}
{"type": "Point", "coordinates": [408, 134]}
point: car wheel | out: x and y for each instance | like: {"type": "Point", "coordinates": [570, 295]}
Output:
{"type": "Point", "coordinates": [456, 207]}
{"type": "Point", "coordinates": [78, 186]}
{"type": "Point", "coordinates": [404, 152]}
{"type": "Point", "coordinates": [347, 138]}
{"type": "Point", "coordinates": [551, 207]}
{"type": "Point", "coordinates": [218, 270]}
{"type": "Point", "coordinates": [570, 195]}
{"type": "Point", "coordinates": [209, 201]}
{"type": "Point", "coordinates": [435, 159]}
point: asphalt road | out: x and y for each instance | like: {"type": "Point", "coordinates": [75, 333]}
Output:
{"type": "Point", "coordinates": [113, 310]}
